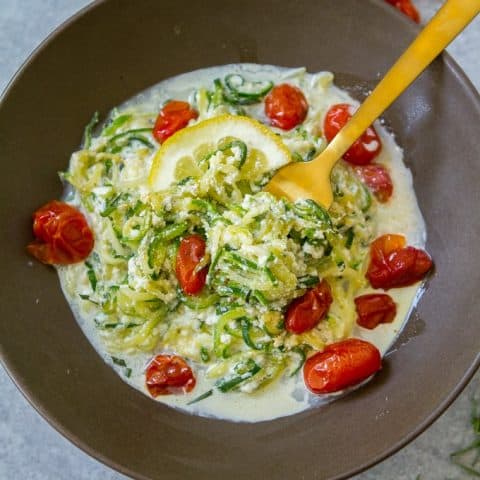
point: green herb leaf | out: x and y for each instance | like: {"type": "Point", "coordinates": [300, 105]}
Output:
{"type": "Point", "coordinates": [203, 396]}
{"type": "Point", "coordinates": [245, 370]}
{"type": "Point", "coordinates": [468, 458]}
{"type": "Point", "coordinates": [308, 281]}
{"type": "Point", "coordinates": [300, 350]}
{"type": "Point", "coordinates": [204, 355]}
{"type": "Point", "coordinates": [119, 361]}
{"type": "Point", "coordinates": [350, 235]}
{"type": "Point", "coordinates": [475, 420]}
{"type": "Point", "coordinates": [92, 278]}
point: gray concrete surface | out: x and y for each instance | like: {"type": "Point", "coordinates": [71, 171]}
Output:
{"type": "Point", "coordinates": [31, 450]}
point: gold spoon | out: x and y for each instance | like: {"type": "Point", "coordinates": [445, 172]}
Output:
{"type": "Point", "coordinates": [312, 179]}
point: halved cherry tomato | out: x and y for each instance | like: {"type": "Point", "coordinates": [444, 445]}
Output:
{"type": "Point", "coordinates": [305, 312]}
{"type": "Point", "coordinates": [365, 149]}
{"type": "Point", "coordinates": [375, 308]}
{"type": "Point", "coordinates": [286, 106]}
{"type": "Point", "coordinates": [341, 365]}
{"type": "Point", "coordinates": [62, 235]}
{"type": "Point", "coordinates": [189, 255]}
{"type": "Point", "coordinates": [377, 179]}
{"type": "Point", "coordinates": [394, 265]}
{"type": "Point", "coordinates": [385, 245]}
{"type": "Point", "coordinates": [406, 7]}
{"type": "Point", "coordinates": [167, 374]}
{"type": "Point", "coordinates": [174, 116]}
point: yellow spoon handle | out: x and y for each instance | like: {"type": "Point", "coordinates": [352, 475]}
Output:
{"type": "Point", "coordinates": [449, 21]}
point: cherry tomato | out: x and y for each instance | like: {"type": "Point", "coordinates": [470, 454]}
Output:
{"type": "Point", "coordinates": [189, 255]}
{"type": "Point", "coordinates": [305, 312]}
{"type": "Point", "coordinates": [406, 7]}
{"type": "Point", "coordinates": [62, 235]}
{"type": "Point", "coordinates": [392, 264]}
{"type": "Point", "coordinates": [174, 116]}
{"type": "Point", "coordinates": [377, 179]}
{"type": "Point", "coordinates": [341, 365]}
{"type": "Point", "coordinates": [365, 149]}
{"type": "Point", "coordinates": [286, 106]}
{"type": "Point", "coordinates": [375, 308]}
{"type": "Point", "coordinates": [386, 244]}
{"type": "Point", "coordinates": [167, 374]}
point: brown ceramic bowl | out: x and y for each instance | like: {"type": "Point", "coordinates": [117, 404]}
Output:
{"type": "Point", "coordinates": [116, 48]}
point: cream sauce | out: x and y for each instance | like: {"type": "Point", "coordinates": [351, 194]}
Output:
{"type": "Point", "coordinates": [400, 215]}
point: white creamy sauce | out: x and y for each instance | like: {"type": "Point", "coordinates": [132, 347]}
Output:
{"type": "Point", "coordinates": [399, 215]}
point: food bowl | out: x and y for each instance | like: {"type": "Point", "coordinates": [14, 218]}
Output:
{"type": "Point", "coordinates": [114, 49]}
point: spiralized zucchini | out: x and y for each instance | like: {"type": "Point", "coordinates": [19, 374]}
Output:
{"type": "Point", "coordinates": [262, 252]}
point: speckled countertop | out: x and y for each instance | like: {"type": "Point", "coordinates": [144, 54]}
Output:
{"type": "Point", "coordinates": [31, 450]}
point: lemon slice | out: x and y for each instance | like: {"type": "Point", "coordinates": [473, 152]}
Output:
{"type": "Point", "coordinates": [177, 156]}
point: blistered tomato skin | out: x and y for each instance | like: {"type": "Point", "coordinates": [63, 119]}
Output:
{"type": "Point", "coordinates": [392, 264]}
{"type": "Point", "coordinates": [341, 365]}
{"type": "Point", "coordinates": [407, 8]}
{"type": "Point", "coordinates": [286, 106]}
{"type": "Point", "coordinates": [374, 309]}
{"type": "Point", "coordinates": [305, 312]}
{"type": "Point", "coordinates": [63, 236]}
{"type": "Point", "coordinates": [169, 374]}
{"type": "Point", "coordinates": [189, 255]}
{"type": "Point", "coordinates": [365, 149]}
{"type": "Point", "coordinates": [174, 116]}
{"type": "Point", "coordinates": [377, 179]}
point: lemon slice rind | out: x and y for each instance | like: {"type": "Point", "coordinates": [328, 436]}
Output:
{"type": "Point", "coordinates": [186, 141]}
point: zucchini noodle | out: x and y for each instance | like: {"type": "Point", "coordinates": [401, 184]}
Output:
{"type": "Point", "coordinates": [262, 252]}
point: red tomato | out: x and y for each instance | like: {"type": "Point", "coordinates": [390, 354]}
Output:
{"type": "Point", "coordinates": [377, 180]}
{"type": "Point", "coordinates": [174, 116]}
{"type": "Point", "coordinates": [365, 149]}
{"type": "Point", "coordinates": [386, 244]}
{"type": "Point", "coordinates": [341, 365]}
{"type": "Point", "coordinates": [62, 234]}
{"type": "Point", "coordinates": [305, 312]}
{"type": "Point", "coordinates": [406, 7]}
{"type": "Point", "coordinates": [167, 374]}
{"type": "Point", "coordinates": [189, 255]}
{"type": "Point", "coordinates": [394, 265]}
{"type": "Point", "coordinates": [286, 106]}
{"type": "Point", "coordinates": [375, 308]}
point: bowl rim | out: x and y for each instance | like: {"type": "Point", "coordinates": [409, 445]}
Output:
{"type": "Point", "coordinates": [469, 89]}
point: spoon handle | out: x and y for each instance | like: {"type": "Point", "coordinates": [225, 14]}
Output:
{"type": "Point", "coordinates": [449, 21]}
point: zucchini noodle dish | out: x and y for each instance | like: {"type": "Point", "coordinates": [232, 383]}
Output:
{"type": "Point", "coordinates": [204, 291]}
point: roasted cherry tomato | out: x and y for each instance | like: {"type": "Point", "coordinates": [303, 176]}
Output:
{"type": "Point", "coordinates": [167, 374]}
{"type": "Point", "coordinates": [406, 7]}
{"type": "Point", "coordinates": [305, 312]}
{"type": "Point", "coordinates": [286, 106]}
{"type": "Point", "coordinates": [375, 308]}
{"type": "Point", "coordinates": [377, 179]}
{"type": "Point", "coordinates": [341, 365]}
{"type": "Point", "coordinates": [392, 264]}
{"type": "Point", "coordinates": [190, 253]}
{"type": "Point", "coordinates": [62, 234]}
{"type": "Point", "coordinates": [365, 149]}
{"type": "Point", "coordinates": [174, 116]}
